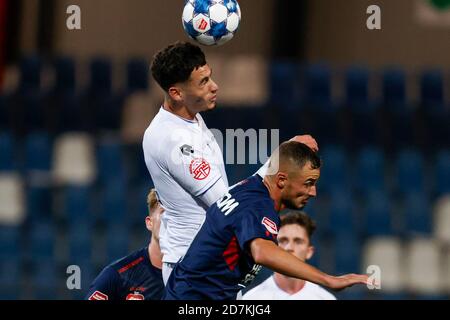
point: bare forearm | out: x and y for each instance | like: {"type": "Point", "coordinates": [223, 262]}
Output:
{"type": "Point", "coordinates": [285, 263]}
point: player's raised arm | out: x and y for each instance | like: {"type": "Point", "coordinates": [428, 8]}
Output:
{"type": "Point", "coordinates": [268, 254]}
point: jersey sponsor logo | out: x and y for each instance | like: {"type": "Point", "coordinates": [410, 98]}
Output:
{"type": "Point", "coordinates": [270, 225]}
{"type": "Point", "coordinates": [199, 169]}
{"type": "Point", "coordinates": [97, 295]}
{"type": "Point", "coordinates": [135, 296]}
{"type": "Point", "coordinates": [131, 265]}
{"type": "Point", "coordinates": [251, 275]}
{"type": "Point", "coordinates": [227, 204]}
{"type": "Point", "coordinates": [187, 150]}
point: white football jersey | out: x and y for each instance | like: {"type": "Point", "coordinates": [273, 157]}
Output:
{"type": "Point", "coordinates": [184, 161]}
{"type": "Point", "coordinates": [269, 290]}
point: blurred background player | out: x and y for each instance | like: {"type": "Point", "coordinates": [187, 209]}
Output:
{"type": "Point", "coordinates": [240, 230]}
{"type": "Point", "coordinates": [137, 276]}
{"type": "Point", "coordinates": [181, 154]}
{"type": "Point", "coordinates": [294, 236]}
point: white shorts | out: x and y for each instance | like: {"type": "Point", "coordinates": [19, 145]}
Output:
{"type": "Point", "coordinates": [167, 270]}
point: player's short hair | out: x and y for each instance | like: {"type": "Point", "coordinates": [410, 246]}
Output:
{"type": "Point", "coordinates": [152, 201]}
{"type": "Point", "coordinates": [300, 218]}
{"type": "Point", "coordinates": [175, 63]}
{"type": "Point", "coordinates": [296, 153]}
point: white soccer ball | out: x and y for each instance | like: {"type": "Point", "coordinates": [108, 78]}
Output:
{"type": "Point", "coordinates": [211, 22]}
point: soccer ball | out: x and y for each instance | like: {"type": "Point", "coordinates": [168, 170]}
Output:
{"type": "Point", "coordinates": [211, 22]}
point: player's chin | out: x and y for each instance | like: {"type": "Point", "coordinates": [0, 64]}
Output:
{"type": "Point", "coordinates": [212, 105]}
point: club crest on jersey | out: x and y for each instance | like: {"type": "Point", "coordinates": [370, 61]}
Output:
{"type": "Point", "coordinates": [135, 296]}
{"type": "Point", "coordinates": [270, 225]}
{"type": "Point", "coordinates": [97, 295]}
{"type": "Point", "coordinates": [199, 168]}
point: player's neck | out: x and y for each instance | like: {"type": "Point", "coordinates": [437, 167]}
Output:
{"type": "Point", "coordinates": [180, 111]}
{"type": "Point", "coordinates": [154, 252]}
{"type": "Point", "coordinates": [274, 193]}
{"type": "Point", "coordinates": [288, 284]}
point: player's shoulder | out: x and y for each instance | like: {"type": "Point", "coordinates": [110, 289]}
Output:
{"type": "Point", "coordinates": [130, 261]}
{"type": "Point", "coordinates": [318, 291]}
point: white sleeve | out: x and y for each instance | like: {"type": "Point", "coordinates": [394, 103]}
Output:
{"type": "Point", "coordinates": [214, 193]}
{"type": "Point", "coordinates": [192, 167]}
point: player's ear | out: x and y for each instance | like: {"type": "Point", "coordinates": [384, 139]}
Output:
{"type": "Point", "coordinates": [281, 179]}
{"type": "Point", "coordinates": [149, 223]}
{"type": "Point", "coordinates": [175, 94]}
{"type": "Point", "coordinates": [310, 252]}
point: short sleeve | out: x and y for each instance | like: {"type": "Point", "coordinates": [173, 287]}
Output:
{"type": "Point", "coordinates": [106, 286]}
{"type": "Point", "coordinates": [195, 165]}
{"type": "Point", "coordinates": [257, 222]}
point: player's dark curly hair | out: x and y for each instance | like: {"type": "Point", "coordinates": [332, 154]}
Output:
{"type": "Point", "coordinates": [300, 218]}
{"type": "Point", "coordinates": [175, 63]}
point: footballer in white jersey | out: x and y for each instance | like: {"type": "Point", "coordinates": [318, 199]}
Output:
{"type": "Point", "coordinates": [184, 161]}
{"type": "Point", "coordinates": [181, 154]}
{"type": "Point", "coordinates": [294, 236]}
{"type": "Point", "coordinates": [269, 290]}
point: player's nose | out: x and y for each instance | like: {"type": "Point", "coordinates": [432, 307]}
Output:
{"type": "Point", "coordinates": [214, 87]}
{"type": "Point", "coordinates": [313, 191]}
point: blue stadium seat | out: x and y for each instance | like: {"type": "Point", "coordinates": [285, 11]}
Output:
{"type": "Point", "coordinates": [100, 75]}
{"type": "Point", "coordinates": [321, 115]}
{"type": "Point", "coordinates": [65, 74]}
{"type": "Point", "coordinates": [42, 241]}
{"type": "Point", "coordinates": [10, 277]}
{"type": "Point", "coordinates": [318, 86]}
{"type": "Point", "coordinates": [137, 75]}
{"type": "Point", "coordinates": [68, 112]}
{"type": "Point", "coordinates": [110, 161]}
{"type": "Point", "coordinates": [284, 84]}
{"type": "Point", "coordinates": [134, 164]}
{"type": "Point", "coordinates": [442, 172]}
{"type": "Point", "coordinates": [434, 115]}
{"type": "Point", "coordinates": [394, 88]}
{"type": "Point", "coordinates": [10, 238]}
{"type": "Point", "coordinates": [101, 108]}
{"type": "Point", "coordinates": [409, 171]}
{"type": "Point", "coordinates": [417, 212]}
{"type": "Point", "coordinates": [341, 216]}
{"type": "Point", "coordinates": [108, 111]}
{"type": "Point", "coordinates": [335, 169]}
{"type": "Point", "coordinates": [357, 88]}
{"type": "Point", "coordinates": [30, 73]}
{"type": "Point", "coordinates": [80, 242]}
{"type": "Point", "coordinates": [77, 204]}
{"type": "Point", "coordinates": [38, 152]}
{"type": "Point", "coordinates": [377, 214]}
{"type": "Point", "coordinates": [45, 279]}
{"type": "Point", "coordinates": [114, 202]}
{"type": "Point", "coordinates": [369, 170]}
{"type": "Point", "coordinates": [117, 241]}
{"type": "Point", "coordinates": [397, 117]}
{"type": "Point", "coordinates": [347, 253]}
{"type": "Point", "coordinates": [6, 152]}
{"type": "Point", "coordinates": [34, 108]}
{"type": "Point", "coordinates": [38, 202]}
{"type": "Point", "coordinates": [360, 110]}
{"type": "Point", "coordinates": [432, 89]}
